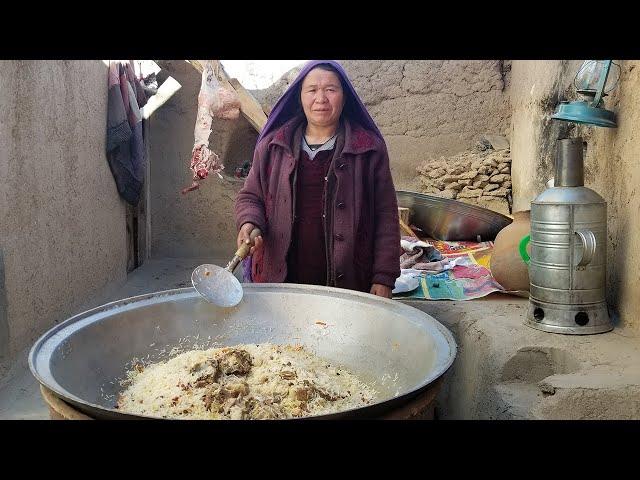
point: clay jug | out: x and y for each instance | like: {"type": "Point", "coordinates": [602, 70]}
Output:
{"type": "Point", "coordinates": [506, 264]}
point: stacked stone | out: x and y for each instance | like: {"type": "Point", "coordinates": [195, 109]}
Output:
{"type": "Point", "coordinates": [480, 177]}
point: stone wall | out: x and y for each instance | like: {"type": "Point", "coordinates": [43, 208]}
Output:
{"type": "Point", "coordinates": [481, 176]}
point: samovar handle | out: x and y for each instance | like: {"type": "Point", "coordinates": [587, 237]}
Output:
{"type": "Point", "coordinates": [588, 240]}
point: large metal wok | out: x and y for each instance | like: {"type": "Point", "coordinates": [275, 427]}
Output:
{"type": "Point", "coordinates": [453, 220]}
{"type": "Point", "coordinates": [403, 349]}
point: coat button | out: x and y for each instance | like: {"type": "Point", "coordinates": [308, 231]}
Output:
{"type": "Point", "coordinates": [339, 275]}
{"type": "Point", "coordinates": [341, 205]}
{"type": "Point", "coordinates": [339, 236]}
{"type": "Point", "coordinates": [342, 166]}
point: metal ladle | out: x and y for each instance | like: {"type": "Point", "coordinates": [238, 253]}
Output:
{"type": "Point", "coordinates": [219, 285]}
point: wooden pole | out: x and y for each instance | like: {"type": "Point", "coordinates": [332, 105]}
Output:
{"type": "Point", "coordinates": [404, 214]}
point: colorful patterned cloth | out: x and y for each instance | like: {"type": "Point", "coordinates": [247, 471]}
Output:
{"type": "Point", "coordinates": [469, 278]}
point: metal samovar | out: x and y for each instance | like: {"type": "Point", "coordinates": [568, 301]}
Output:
{"type": "Point", "coordinates": [568, 257]}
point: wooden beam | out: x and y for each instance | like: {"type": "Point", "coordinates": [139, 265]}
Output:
{"type": "Point", "coordinates": [196, 64]}
{"type": "Point", "coordinates": [249, 106]}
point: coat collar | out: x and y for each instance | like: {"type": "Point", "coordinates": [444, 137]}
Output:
{"type": "Point", "coordinates": [357, 140]}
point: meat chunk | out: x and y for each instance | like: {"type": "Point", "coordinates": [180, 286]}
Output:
{"type": "Point", "coordinates": [203, 381]}
{"type": "Point", "coordinates": [234, 361]}
{"type": "Point", "coordinates": [209, 372]}
{"type": "Point", "coordinates": [225, 396]}
{"type": "Point", "coordinates": [302, 393]}
{"type": "Point", "coordinates": [288, 375]}
{"type": "Point", "coordinates": [237, 389]}
{"type": "Point", "coordinates": [213, 101]}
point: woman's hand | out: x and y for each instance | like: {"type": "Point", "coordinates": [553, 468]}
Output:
{"type": "Point", "coordinates": [243, 236]}
{"type": "Point", "coordinates": [381, 290]}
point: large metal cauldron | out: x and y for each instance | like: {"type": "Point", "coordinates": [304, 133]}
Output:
{"type": "Point", "coordinates": [403, 349]}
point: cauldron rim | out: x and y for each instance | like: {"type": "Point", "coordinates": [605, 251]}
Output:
{"type": "Point", "coordinates": [132, 302]}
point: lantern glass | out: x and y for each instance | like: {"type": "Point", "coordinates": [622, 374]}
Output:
{"type": "Point", "coordinates": [590, 75]}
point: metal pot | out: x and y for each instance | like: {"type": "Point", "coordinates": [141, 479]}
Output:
{"type": "Point", "coordinates": [403, 349]}
{"type": "Point", "coordinates": [452, 220]}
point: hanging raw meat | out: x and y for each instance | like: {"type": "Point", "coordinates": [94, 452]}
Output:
{"type": "Point", "coordinates": [213, 101]}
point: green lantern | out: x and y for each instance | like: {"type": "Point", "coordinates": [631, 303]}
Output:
{"type": "Point", "coordinates": [591, 83]}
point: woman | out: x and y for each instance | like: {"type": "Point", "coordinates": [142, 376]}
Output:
{"type": "Point", "coordinates": [320, 190]}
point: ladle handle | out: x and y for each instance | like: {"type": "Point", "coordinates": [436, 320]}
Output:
{"type": "Point", "coordinates": [244, 249]}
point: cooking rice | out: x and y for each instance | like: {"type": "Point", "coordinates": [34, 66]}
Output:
{"type": "Point", "coordinates": [243, 382]}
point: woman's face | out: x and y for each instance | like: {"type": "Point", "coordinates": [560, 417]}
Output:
{"type": "Point", "coordinates": [322, 97]}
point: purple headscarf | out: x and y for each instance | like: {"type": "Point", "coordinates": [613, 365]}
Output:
{"type": "Point", "coordinates": [288, 104]}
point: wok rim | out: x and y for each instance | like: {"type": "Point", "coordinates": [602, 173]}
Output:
{"type": "Point", "coordinates": [439, 369]}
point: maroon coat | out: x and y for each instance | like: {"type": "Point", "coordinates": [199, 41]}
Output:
{"type": "Point", "coordinates": [363, 237]}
